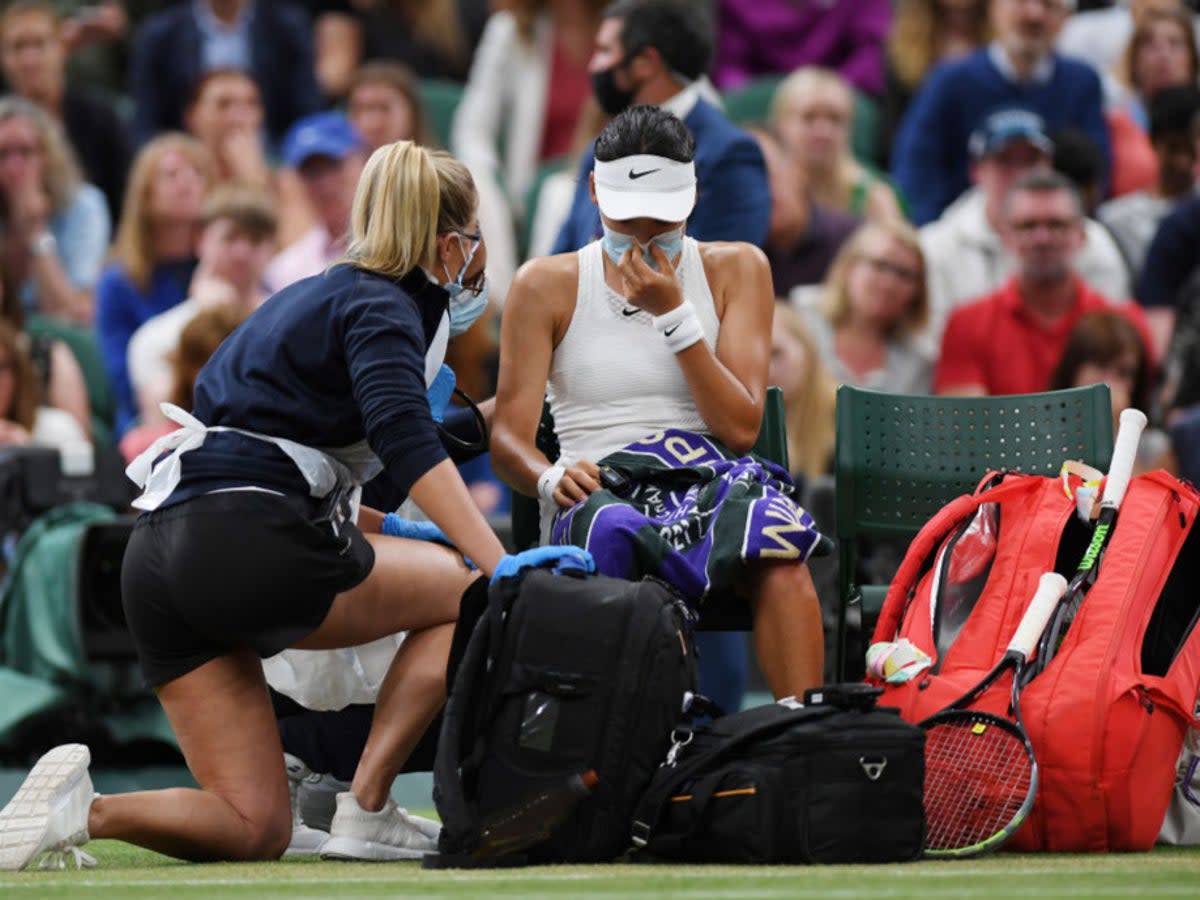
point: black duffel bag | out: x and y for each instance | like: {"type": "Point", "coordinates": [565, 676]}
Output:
{"type": "Point", "coordinates": [835, 781]}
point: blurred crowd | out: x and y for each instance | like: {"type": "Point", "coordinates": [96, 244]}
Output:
{"type": "Point", "coordinates": [955, 196]}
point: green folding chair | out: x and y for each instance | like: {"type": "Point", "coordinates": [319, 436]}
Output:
{"type": "Point", "coordinates": [771, 445]}
{"type": "Point", "coordinates": [900, 458]}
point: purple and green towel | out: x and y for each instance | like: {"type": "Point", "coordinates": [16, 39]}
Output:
{"type": "Point", "coordinates": [689, 512]}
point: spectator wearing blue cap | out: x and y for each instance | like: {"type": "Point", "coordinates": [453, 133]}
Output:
{"type": "Point", "coordinates": [1019, 68]}
{"type": "Point", "coordinates": [328, 154]}
{"type": "Point", "coordinates": [965, 256]}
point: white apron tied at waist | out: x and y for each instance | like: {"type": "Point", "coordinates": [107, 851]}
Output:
{"type": "Point", "coordinates": [325, 470]}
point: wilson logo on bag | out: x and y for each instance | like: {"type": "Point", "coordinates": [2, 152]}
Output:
{"type": "Point", "coordinates": [1107, 714]}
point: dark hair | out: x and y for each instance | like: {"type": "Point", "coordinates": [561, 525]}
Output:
{"type": "Point", "coordinates": [646, 129]}
{"type": "Point", "coordinates": [200, 85]}
{"type": "Point", "coordinates": [1100, 338]}
{"type": "Point", "coordinates": [680, 30]}
{"type": "Point", "coordinates": [1076, 157]}
{"type": "Point", "coordinates": [1172, 110]}
{"type": "Point", "coordinates": [1043, 182]}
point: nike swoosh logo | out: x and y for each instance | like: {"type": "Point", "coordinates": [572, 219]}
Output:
{"type": "Point", "coordinates": [630, 312]}
{"type": "Point", "coordinates": [633, 176]}
{"type": "Point", "coordinates": [670, 331]}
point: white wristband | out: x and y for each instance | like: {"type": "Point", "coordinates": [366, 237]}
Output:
{"type": "Point", "coordinates": [680, 327]}
{"type": "Point", "coordinates": [548, 481]}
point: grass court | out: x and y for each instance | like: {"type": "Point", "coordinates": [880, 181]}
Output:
{"type": "Point", "coordinates": [129, 873]}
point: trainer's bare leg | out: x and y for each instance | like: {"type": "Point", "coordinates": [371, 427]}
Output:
{"type": "Point", "coordinates": [415, 586]}
{"type": "Point", "coordinates": [225, 725]}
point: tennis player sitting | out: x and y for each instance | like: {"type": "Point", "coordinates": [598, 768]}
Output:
{"type": "Point", "coordinates": [653, 350]}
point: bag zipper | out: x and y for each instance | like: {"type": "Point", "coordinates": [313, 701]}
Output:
{"type": "Point", "coordinates": [1118, 637]}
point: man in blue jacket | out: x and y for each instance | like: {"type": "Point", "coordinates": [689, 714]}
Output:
{"type": "Point", "coordinates": [652, 51]}
{"type": "Point", "coordinates": [1018, 69]}
{"type": "Point", "coordinates": [271, 41]}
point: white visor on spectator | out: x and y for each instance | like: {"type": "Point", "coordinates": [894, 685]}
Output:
{"type": "Point", "coordinates": [647, 186]}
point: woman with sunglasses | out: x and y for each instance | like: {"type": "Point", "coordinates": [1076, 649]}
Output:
{"type": "Point", "coordinates": [249, 542]}
{"type": "Point", "coordinates": [874, 305]}
{"type": "Point", "coordinates": [653, 351]}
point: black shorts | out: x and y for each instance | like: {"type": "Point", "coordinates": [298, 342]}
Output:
{"type": "Point", "coordinates": [232, 570]}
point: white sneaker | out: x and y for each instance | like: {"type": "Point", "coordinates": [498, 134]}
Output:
{"type": "Point", "coordinates": [49, 812]}
{"type": "Point", "coordinates": [318, 799]}
{"type": "Point", "coordinates": [388, 834]}
{"type": "Point", "coordinates": [305, 841]}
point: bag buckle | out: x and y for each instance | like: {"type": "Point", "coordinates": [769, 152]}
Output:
{"type": "Point", "coordinates": [640, 834]}
{"type": "Point", "coordinates": [873, 768]}
{"type": "Point", "coordinates": [677, 744]}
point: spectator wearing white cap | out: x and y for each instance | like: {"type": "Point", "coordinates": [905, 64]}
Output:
{"type": "Point", "coordinates": [328, 153]}
{"type": "Point", "coordinates": [965, 256]}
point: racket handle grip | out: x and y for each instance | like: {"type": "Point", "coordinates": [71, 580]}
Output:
{"type": "Point", "coordinates": [1050, 590]}
{"type": "Point", "coordinates": [1129, 433]}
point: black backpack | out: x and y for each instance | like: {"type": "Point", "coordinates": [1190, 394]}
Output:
{"type": "Point", "coordinates": [567, 676]}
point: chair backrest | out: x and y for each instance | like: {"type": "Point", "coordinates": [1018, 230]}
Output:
{"type": "Point", "coordinates": [900, 458]}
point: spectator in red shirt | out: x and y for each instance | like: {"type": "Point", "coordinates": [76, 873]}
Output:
{"type": "Point", "coordinates": [1009, 341]}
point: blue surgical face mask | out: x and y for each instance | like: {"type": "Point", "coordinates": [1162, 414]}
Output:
{"type": "Point", "coordinates": [617, 244]}
{"type": "Point", "coordinates": [465, 306]}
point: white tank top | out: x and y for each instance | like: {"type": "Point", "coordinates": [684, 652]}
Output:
{"type": "Point", "coordinates": [612, 379]}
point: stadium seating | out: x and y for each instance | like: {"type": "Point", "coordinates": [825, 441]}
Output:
{"type": "Point", "coordinates": [440, 98]}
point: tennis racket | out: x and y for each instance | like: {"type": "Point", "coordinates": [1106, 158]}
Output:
{"type": "Point", "coordinates": [980, 772]}
{"type": "Point", "coordinates": [1129, 433]}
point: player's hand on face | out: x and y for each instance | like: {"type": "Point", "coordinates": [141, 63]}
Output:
{"type": "Point", "coordinates": [656, 292]}
{"type": "Point", "coordinates": [579, 480]}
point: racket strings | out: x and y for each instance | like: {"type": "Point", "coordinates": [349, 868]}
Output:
{"type": "Point", "coordinates": [977, 777]}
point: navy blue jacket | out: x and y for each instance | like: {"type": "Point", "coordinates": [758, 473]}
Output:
{"type": "Point", "coordinates": [166, 65]}
{"type": "Point", "coordinates": [326, 362]}
{"type": "Point", "coordinates": [1172, 257]}
{"type": "Point", "coordinates": [929, 160]}
{"type": "Point", "coordinates": [733, 201]}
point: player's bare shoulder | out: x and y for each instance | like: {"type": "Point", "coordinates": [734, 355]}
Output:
{"type": "Point", "coordinates": [546, 283]}
{"type": "Point", "coordinates": [733, 266]}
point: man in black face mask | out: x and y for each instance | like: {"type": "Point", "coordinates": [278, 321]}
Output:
{"type": "Point", "coordinates": [652, 52]}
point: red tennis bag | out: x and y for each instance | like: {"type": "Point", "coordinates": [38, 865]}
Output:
{"type": "Point", "coordinates": [1107, 715]}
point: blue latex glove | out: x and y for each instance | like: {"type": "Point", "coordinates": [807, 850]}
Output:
{"type": "Point", "coordinates": [565, 556]}
{"type": "Point", "coordinates": [440, 392]}
{"type": "Point", "coordinates": [395, 526]}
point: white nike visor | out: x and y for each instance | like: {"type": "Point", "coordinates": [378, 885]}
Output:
{"type": "Point", "coordinates": [645, 186]}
